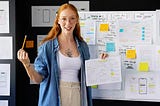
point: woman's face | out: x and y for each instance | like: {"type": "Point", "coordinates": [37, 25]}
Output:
{"type": "Point", "coordinates": [67, 21]}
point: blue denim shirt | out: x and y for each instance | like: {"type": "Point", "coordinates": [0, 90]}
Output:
{"type": "Point", "coordinates": [47, 65]}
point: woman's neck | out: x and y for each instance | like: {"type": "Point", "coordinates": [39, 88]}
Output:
{"type": "Point", "coordinates": [66, 37]}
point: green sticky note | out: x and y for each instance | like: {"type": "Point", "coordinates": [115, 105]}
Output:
{"type": "Point", "coordinates": [94, 86]}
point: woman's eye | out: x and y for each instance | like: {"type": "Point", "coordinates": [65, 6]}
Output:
{"type": "Point", "coordinates": [63, 19]}
{"type": "Point", "coordinates": [73, 18]}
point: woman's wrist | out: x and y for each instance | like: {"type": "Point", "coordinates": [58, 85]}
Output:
{"type": "Point", "coordinates": [27, 64]}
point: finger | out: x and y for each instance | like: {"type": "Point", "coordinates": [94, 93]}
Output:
{"type": "Point", "coordinates": [19, 54]}
{"type": "Point", "coordinates": [26, 55]}
{"type": "Point", "coordinates": [23, 55]}
{"type": "Point", "coordinates": [104, 55]}
{"type": "Point", "coordinates": [101, 55]}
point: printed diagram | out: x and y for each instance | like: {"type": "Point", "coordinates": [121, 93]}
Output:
{"type": "Point", "coordinates": [3, 79]}
{"type": "Point", "coordinates": [142, 82]}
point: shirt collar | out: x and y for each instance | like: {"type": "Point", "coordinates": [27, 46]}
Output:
{"type": "Point", "coordinates": [56, 44]}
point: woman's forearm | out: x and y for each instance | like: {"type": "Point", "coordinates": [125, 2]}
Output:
{"type": "Point", "coordinates": [33, 74]}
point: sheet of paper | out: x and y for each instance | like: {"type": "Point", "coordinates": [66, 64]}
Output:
{"type": "Point", "coordinates": [4, 103]}
{"type": "Point", "coordinates": [81, 5]}
{"type": "Point", "coordinates": [88, 30]}
{"type": "Point", "coordinates": [157, 41]}
{"type": "Point", "coordinates": [145, 57]}
{"type": "Point", "coordinates": [4, 79]}
{"type": "Point", "coordinates": [157, 58]}
{"type": "Point", "coordinates": [107, 37]}
{"type": "Point", "coordinates": [136, 31]}
{"type": "Point", "coordinates": [4, 16]}
{"type": "Point", "coordinates": [6, 52]}
{"type": "Point", "coordinates": [142, 85]}
{"type": "Point", "coordinates": [43, 16]}
{"type": "Point", "coordinates": [39, 39]}
{"type": "Point", "coordinates": [100, 71]}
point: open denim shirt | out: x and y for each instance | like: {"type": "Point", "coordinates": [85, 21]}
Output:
{"type": "Point", "coordinates": [47, 65]}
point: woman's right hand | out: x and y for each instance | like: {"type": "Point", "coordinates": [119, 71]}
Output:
{"type": "Point", "coordinates": [22, 56]}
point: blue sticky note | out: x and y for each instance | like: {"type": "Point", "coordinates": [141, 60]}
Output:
{"type": "Point", "coordinates": [142, 38]}
{"type": "Point", "coordinates": [143, 28]}
{"type": "Point", "coordinates": [110, 47]}
{"type": "Point", "coordinates": [121, 30]}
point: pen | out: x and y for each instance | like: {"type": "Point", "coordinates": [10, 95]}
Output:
{"type": "Point", "coordinates": [24, 41]}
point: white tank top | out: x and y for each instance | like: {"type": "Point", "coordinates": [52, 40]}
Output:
{"type": "Point", "coordinates": [69, 67]}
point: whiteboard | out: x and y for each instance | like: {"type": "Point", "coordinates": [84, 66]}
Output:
{"type": "Point", "coordinates": [125, 33]}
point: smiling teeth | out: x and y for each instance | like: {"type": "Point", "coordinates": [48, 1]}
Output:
{"type": "Point", "coordinates": [68, 28]}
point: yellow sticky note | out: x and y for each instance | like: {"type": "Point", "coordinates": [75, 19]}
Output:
{"type": "Point", "coordinates": [87, 40]}
{"type": "Point", "coordinates": [143, 66]}
{"type": "Point", "coordinates": [94, 86]}
{"type": "Point", "coordinates": [131, 54]}
{"type": "Point", "coordinates": [82, 24]}
{"type": "Point", "coordinates": [104, 27]}
{"type": "Point", "coordinates": [112, 73]}
{"type": "Point", "coordinates": [29, 44]}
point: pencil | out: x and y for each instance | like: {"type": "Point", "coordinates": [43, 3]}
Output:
{"type": "Point", "coordinates": [24, 41]}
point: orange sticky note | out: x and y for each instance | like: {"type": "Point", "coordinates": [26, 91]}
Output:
{"type": "Point", "coordinates": [131, 54]}
{"type": "Point", "coordinates": [104, 27]}
{"type": "Point", "coordinates": [143, 67]}
{"type": "Point", "coordinates": [29, 44]}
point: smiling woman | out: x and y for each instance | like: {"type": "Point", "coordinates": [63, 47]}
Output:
{"type": "Point", "coordinates": [60, 61]}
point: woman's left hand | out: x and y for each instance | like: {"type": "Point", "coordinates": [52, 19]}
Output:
{"type": "Point", "coordinates": [103, 55]}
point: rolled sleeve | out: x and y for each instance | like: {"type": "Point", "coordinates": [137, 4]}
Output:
{"type": "Point", "coordinates": [39, 63]}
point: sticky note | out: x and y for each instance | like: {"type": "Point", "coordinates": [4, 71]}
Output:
{"type": "Point", "coordinates": [131, 54]}
{"type": "Point", "coordinates": [104, 27]}
{"type": "Point", "coordinates": [110, 47]}
{"type": "Point", "coordinates": [112, 73]}
{"type": "Point", "coordinates": [29, 44]}
{"type": "Point", "coordinates": [82, 24]}
{"type": "Point", "coordinates": [158, 51]}
{"type": "Point", "coordinates": [121, 30]}
{"type": "Point", "coordinates": [94, 86]}
{"type": "Point", "coordinates": [87, 40]}
{"type": "Point", "coordinates": [143, 67]}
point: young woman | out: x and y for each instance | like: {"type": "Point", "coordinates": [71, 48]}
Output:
{"type": "Point", "coordinates": [59, 67]}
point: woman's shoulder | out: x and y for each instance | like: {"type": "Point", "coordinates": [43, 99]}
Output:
{"type": "Point", "coordinates": [50, 42]}
{"type": "Point", "coordinates": [82, 43]}
{"type": "Point", "coordinates": [49, 45]}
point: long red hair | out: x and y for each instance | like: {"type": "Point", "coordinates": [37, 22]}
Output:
{"type": "Point", "coordinates": [56, 29]}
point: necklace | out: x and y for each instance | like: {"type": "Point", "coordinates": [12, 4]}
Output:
{"type": "Point", "coordinates": [68, 52]}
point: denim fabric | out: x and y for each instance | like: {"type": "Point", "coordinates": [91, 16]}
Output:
{"type": "Point", "coordinates": [46, 64]}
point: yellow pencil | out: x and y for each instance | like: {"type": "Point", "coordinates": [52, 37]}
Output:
{"type": "Point", "coordinates": [24, 41]}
